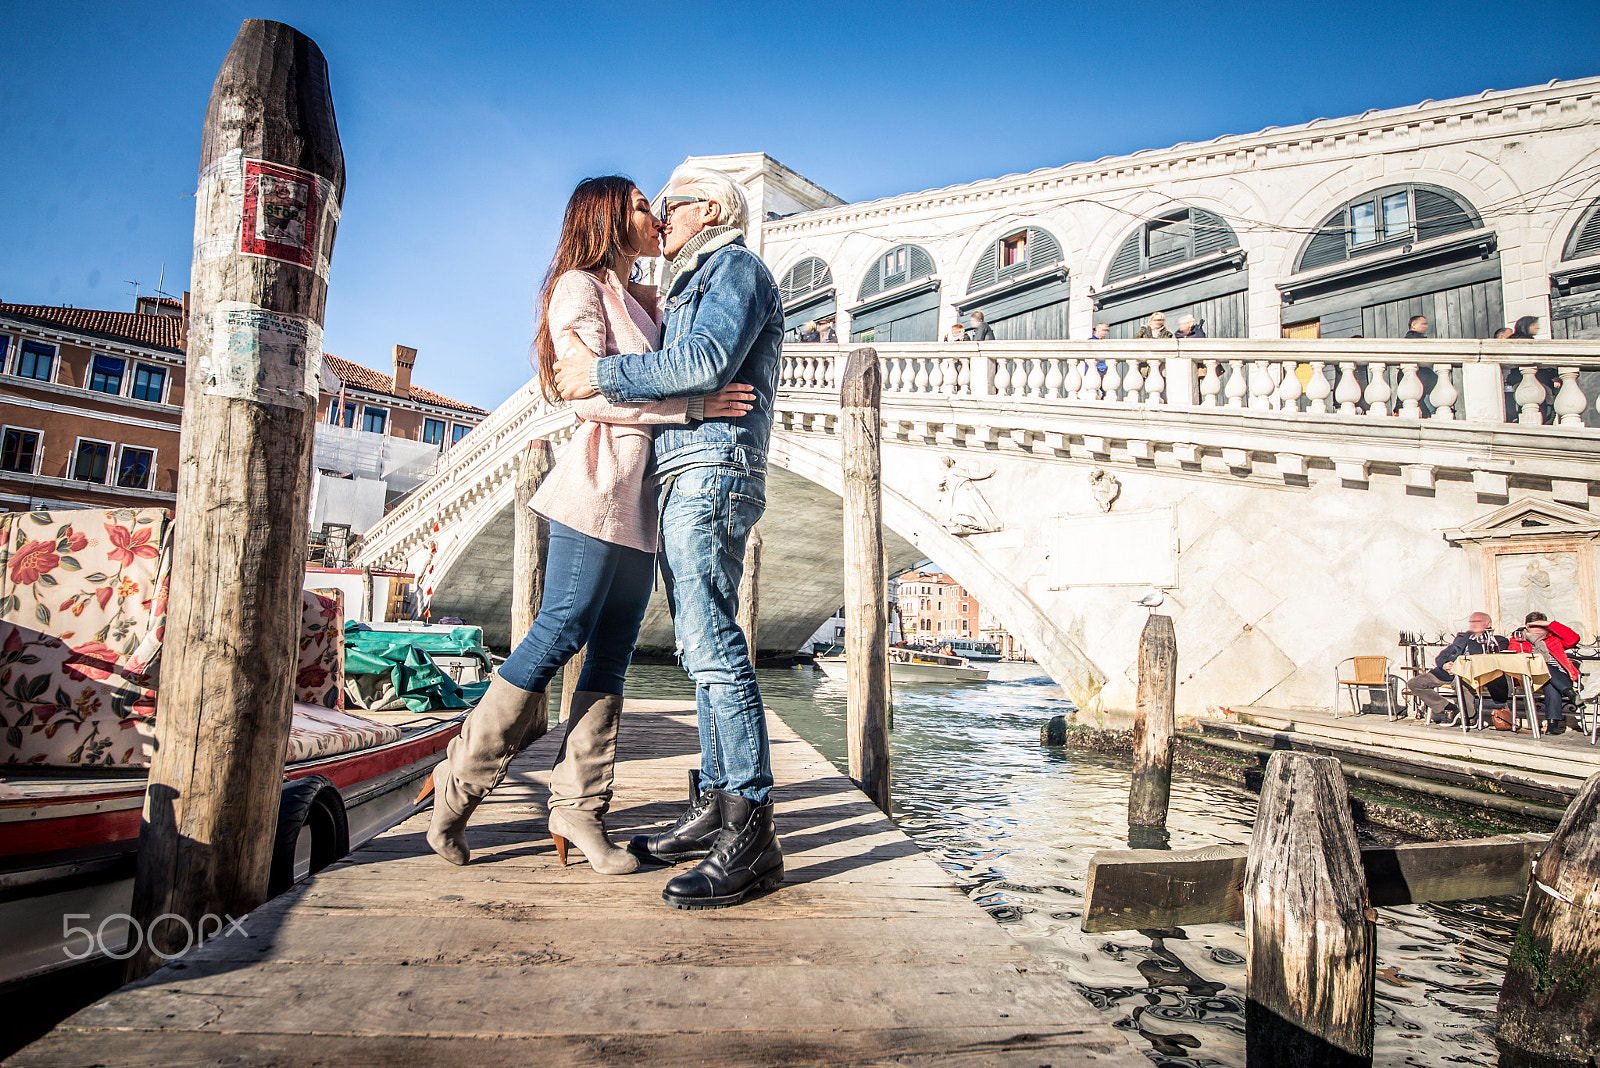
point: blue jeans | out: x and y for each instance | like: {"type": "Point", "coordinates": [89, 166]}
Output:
{"type": "Point", "coordinates": [1554, 693]}
{"type": "Point", "coordinates": [706, 516]}
{"type": "Point", "coordinates": [595, 594]}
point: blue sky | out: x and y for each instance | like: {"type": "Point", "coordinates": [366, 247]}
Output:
{"type": "Point", "coordinates": [465, 126]}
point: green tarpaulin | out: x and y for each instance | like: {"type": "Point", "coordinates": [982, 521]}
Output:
{"type": "Point", "coordinates": [402, 658]}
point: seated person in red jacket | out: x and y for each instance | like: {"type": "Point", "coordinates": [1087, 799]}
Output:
{"type": "Point", "coordinates": [1432, 685]}
{"type": "Point", "coordinates": [1550, 640]}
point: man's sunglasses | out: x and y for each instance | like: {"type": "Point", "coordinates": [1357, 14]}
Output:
{"type": "Point", "coordinates": [673, 203]}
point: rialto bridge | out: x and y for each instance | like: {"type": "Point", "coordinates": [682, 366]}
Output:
{"type": "Point", "coordinates": [1298, 502]}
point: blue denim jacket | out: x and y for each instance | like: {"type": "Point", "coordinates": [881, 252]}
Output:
{"type": "Point", "coordinates": [724, 323]}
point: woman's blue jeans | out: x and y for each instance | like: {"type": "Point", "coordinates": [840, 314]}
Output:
{"type": "Point", "coordinates": [706, 516]}
{"type": "Point", "coordinates": [595, 594]}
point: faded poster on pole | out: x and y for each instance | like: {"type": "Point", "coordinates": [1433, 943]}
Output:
{"type": "Point", "coordinates": [260, 355]}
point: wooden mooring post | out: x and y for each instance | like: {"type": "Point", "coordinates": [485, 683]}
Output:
{"type": "Point", "coordinates": [1152, 725]}
{"type": "Point", "coordinates": [1550, 1001]}
{"type": "Point", "coordinates": [530, 546]}
{"type": "Point", "coordinates": [1309, 930]}
{"type": "Point", "coordinates": [749, 618]}
{"type": "Point", "coordinates": [267, 205]}
{"type": "Point", "coordinates": [866, 634]}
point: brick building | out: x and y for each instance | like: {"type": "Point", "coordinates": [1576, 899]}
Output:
{"type": "Point", "coordinates": [935, 608]}
{"type": "Point", "coordinates": [90, 403]}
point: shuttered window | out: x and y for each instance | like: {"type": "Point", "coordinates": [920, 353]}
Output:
{"type": "Point", "coordinates": [1015, 254]}
{"type": "Point", "coordinates": [1174, 238]}
{"type": "Point", "coordinates": [804, 277]}
{"type": "Point", "coordinates": [898, 267]}
{"type": "Point", "coordinates": [1383, 218]}
{"type": "Point", "coordinates": [1585, 237]}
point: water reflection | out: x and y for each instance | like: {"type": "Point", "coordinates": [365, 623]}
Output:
{"type": "Point", "coordinates": [1014, 824]}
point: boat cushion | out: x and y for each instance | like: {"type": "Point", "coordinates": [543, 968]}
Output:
{"type": "Point", "coordinates": [319, 673]}
{"type": "Point", "coordinates": [323, 732]}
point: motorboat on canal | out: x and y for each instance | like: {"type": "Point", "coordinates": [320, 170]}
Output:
{"type": "Point", "coordinates": [375, 706]}
{"type": "Point", "coordinates": [909, 664]}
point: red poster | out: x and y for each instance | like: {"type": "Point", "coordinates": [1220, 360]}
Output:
{"type": "Point", "coordinates": [280, 213]}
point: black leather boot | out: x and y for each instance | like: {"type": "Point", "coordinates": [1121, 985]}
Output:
{"type": "Point", "coordinates": [691, 836]}
{"type": "Point", "coordinates": [744, 859]}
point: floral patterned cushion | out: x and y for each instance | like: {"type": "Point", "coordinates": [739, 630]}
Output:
{"type": "Point", "coordinates": [83, 606]}
{"type": "Point", "coordinates": [323, 732]}
{"type": "Point", "coordinates": [319, 674]}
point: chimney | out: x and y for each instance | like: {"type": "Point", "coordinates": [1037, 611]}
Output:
{"type": "Point", "coordinates": [404, 360]}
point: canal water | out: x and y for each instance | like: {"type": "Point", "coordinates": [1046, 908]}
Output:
{"type": "Point", "coordinates": [1014, 823]}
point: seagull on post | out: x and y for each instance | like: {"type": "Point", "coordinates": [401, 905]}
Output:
{"type": "Point", "coordinates": [1151, 600]}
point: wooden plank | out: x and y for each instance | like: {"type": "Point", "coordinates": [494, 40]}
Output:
{"type": "Point", "coordinates": [244, 483]}
{"type": "Point", "coordinates": [1139, 889]}
{"type": "Point", "coordinates": [868, 954]}
{"type": "Point", "coordinates": [948, 1047]}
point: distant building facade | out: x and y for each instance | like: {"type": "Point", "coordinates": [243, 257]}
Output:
{"type": "Point", "coordinates": [935, 608]}
{"type": "Point", "coordinates": [1473, 212]}
{"type": "Point", "coordinates": [90, 404]}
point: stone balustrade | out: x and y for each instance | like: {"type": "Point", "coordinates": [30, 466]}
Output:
{"type": "Point", "coordinates": [1526, 383]}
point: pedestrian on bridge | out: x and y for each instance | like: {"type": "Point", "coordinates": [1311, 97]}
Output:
{"type": "Point", "coordinates": [724, 323]}
{"type": "Point", "coordinates": [599, 568]}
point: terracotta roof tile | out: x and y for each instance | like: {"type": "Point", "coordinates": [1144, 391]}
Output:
{"type": "Point", "coordinates": [353, 374]}
{"type": "Point", "coordinates": [156, 331]}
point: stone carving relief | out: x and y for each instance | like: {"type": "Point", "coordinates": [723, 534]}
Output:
{"type": "Point", "coordinates": [1106, 488]}
{"type": "Point", "coordinates": [964, 508]}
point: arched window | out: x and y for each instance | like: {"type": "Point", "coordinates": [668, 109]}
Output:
{"type": "Point", "coordinates": [1585, 237]}
{"type": "Point", "coordinates": [1177, 237]}
{"type": "Point", "coordinates": [1386, 217]}
{"type": "Point", "coordinates": [899, 266]}
{"type": "Point", "coordinates": [808, 297]}
{"type": "Point", "coordinates": [808, 275]}
{"type": "Point", "coordinates": [1023, 252]}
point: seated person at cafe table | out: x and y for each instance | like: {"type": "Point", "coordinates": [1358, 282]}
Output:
{"type": "Point", "coordinates": [1551, 640]}
{"type": "Point", "coordinates": [1436, 686]}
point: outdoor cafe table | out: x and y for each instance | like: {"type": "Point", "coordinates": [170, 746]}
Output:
{"type": "Point", "coordinates": [1479, 669]}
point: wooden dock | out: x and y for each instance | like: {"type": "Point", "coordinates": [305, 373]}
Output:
{"type": "Point", "coordinates": [868, 954]}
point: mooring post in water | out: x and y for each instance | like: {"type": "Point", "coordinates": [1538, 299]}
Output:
{"type": "Point", "coordinates": [749, 616]}
{"type": "Point", "coordinates": [530, 545]}
{"type": "Point", "coordinates": [1152, 724]}
{"type": "Point", "coordinates": [866, 634]}
{"type": "Point", "coordinates": [1311, 943]}
{"type": "Point", "coordinates": [271, 183]}
{"type": "Point", "coordinates": [1550, 1002]}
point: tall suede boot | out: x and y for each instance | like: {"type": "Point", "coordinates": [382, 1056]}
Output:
{"type": "Point", "coordinates": [580, 785]}
{"type": "Point", "coordinates": [476, 762]}
{"type": "Point", "coordinates": [744, 860]}
{"type": "Point", "coordinates": [690, 837]}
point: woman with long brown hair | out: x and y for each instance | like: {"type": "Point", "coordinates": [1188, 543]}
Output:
{"type": "Point", "coordinates": [601, 506]}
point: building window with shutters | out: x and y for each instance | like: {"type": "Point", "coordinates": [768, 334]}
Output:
{"type": "Point", "coordinates": [19, 450]}
{"type": "Point", "coordinates": [36, 360]}
{"type": "Point", "coordinates": [433, 431]}
{"type": "Point", "coordinates": [105, 374]}
{"type": "Point", "coordinates": [133, 468]}
{"type": "Point", "coordinates": [90, 459]}
{"type": "Point", "coordinates": [149, 383]}
{"type": "Point", "coordinates": [373, 420]}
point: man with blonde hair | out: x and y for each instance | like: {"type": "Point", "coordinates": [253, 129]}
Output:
{"type": "Point", "coordinates": [724, 324]}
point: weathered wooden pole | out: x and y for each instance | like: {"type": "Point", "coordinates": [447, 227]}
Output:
{"type": "Point", "coordinates": [1550, 1002]}
{"type": "Point", "coordinates": [530, 545]}
{"type": "Point", "coordinates": [866, 634]}
{"type": "Point", "coordinates": [749, 596]}
{"type": "Point", "coordinates": [1152, 724]}
{"type": "Point", "coordinates": [569, 682]}
{"type": "Point", "coordinates": [1308, 928]}
{"type": "Point", "coordinates": [271, 182]}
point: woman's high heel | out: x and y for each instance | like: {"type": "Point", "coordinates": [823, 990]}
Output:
{"type": "Point", "coordinates": [587, 831]}
{"type": "Point", "coordinates": [580, 784]}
